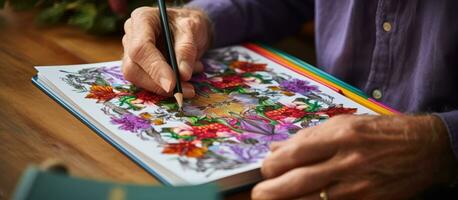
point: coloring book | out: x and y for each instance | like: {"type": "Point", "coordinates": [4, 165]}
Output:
{"type": "Point", "coordinates": [244, 102]}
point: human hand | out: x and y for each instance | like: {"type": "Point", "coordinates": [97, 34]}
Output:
{"type": "Point", "coordinates": [144, 64]}
{"type": "Point", "coordinates": [359, 157]}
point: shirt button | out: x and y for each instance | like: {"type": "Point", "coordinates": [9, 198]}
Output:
{"type": "Point", "coordinates": [377, 94]}
{"type": "Point", "coordinates": [387, 26]}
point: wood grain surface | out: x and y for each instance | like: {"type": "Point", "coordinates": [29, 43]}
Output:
{"type": "Point", "coordinates": [34, 128]}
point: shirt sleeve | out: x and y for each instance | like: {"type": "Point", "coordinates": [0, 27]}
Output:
{"type": "Point", "coordinates": [236, 21]}
{"type": "Point", "coordinates": [450, 120]}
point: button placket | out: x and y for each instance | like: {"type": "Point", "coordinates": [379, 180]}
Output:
{"type": "Point", "coordinates": [379, 76]}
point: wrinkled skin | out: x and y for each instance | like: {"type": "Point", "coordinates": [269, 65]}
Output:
{"type": "Point", "coordinates": [360, 157]}
{"type": "Point", "coordinates": [144, 65]}
{"type": "Point", "coordinates": [350, 157]}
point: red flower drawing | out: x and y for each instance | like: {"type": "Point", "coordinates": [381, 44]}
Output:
{"type": "Point", "coordinates": [339, 110]}
{"type": "Point", "coordinates": [248, 66]}
{"type": "Point", "coordinates": [226, 82]}
{"type": "Point", "coordinates": [149, 97]}
{"type": "Point", "coordinates": [285, 112]}
{"type": "Point", "coordinates": [209, 130]}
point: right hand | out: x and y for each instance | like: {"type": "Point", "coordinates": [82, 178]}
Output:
{"type": "Point", "coordinates": [144, 64]}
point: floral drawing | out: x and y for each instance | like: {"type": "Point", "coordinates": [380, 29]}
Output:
{"type": "Point", "coordinates": [242, 107]}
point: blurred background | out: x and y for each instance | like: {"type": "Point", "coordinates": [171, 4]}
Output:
{"type": "Point", "coordinates": [106, 17]}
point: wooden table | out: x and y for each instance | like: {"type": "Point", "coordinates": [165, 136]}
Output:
{"type": "Point", "coordinates": [33, 127]}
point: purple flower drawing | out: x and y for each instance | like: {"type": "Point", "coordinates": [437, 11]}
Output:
{"type": "Point", "coordinates": [132, 123]}
{"type": "Point", "coordinates": [264, 132]}
{"type": "Point", "coordinates": [248, 153]}
{"type": "Point", "coordinates": [263, 128]}
{"type": "Point", "coordinates": [113, 75]}
{"type": "Point", "coordinates": [298, 86]}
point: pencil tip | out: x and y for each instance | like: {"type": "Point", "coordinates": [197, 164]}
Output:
{"type": "Point", "coordinates": [179, 98]}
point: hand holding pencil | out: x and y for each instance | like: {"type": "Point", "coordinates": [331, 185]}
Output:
{"type": "Point", "coordinates": [145, 61]}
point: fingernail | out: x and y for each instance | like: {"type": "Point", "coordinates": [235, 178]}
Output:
{"type": "Point", "coordinates": [185, 70]}
{"type": "Point", "coordinates": [188, 92]}
{"type": "Point", "coordinates": [166, 84]}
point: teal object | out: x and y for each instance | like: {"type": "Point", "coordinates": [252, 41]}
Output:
{"type": "Point", "coordinates": [36, 184]}
{"type": "Point", "coordinates": [315, 70]}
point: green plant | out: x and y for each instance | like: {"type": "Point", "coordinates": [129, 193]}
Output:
{"type": "Point", "coordinates": [93, 16]}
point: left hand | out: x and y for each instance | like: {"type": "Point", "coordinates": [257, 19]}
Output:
{"type": "Point", "coordinates": [359, 157]}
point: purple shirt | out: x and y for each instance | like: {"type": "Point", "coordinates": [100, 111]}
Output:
{"type": "Point", "coordinates": [404, 53]}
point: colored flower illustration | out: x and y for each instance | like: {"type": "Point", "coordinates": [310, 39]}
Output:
{"type": "Point", "coordinates": [338, 110]}
{"type": "Point", "coordinates": [244, 98]}
{"type": "Point", "coordinates": [285, 112]}
{"type": "Point", "coordinates": [298, 86]}
{"type": "Point", "coordinates": [113, 75]}
{"type": "Point", "coordinates": [209, 130]}
{"type": "Point", "coordinates": [192, 110]}
{"type": "Point", "coordinates": [101, 93]}
{"type": "Point", "coordinates": [132, 123]}
{"type": "Point", "coordinates": [243, 66]}
{"type": "Point", "coordinates": [225, 82]}
{"type": "Point", "coordinates": [184, 149]}
{"type": "Point", "coordinates": [213, 66]}
{"type": "Point", "coordinates": [216, 105]}
{"type": "Point", "coordinates": [199, 78]}
{"type": "Point", "coordinates": [240, 108]}
{"type": "Point", "coordinates": [149, 97]}
{"type": "Point", "coordinates": [266, 132]}
{"type": "Point", "coordinates": [306, 105]}
{"type": "Point", "coordinates": [246, 153]}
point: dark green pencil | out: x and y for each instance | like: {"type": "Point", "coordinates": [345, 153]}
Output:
{"type": "Point", "coordinates": [171, 57]}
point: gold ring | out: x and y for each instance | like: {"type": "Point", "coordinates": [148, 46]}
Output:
{"type": "Point", "coordinates": [323, 195]}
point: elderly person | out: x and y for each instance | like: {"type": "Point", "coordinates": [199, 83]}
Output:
{"type": "Point", "coordinates": [404, 53]}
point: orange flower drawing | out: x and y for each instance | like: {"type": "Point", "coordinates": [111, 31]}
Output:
{"type": "Point", "coordinates": [185, 149]}
{"type": "Point", "coordinates": [101, 93]}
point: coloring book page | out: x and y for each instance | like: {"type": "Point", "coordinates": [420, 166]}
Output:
{"type": "Point", "coordinates": [244, 102]}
